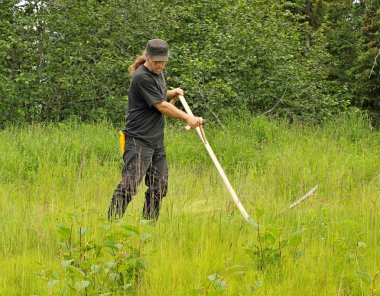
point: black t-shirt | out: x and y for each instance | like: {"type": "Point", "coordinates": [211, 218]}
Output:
{"type": "Point", "coordinates": [144, 121]}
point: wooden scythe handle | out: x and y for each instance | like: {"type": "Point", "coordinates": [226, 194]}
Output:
{"type": "Point", "coordinates": [202, 135]}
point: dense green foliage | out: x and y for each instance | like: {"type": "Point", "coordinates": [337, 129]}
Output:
{"type": "Point", "coordinates": [303, 59]}
{"type": "Point", "coordinates": [54, 208]}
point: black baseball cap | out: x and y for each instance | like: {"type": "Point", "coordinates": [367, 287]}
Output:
{"type": "Point", "coordinates": [158, 50]}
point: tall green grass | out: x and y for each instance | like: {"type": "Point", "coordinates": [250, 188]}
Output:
{"type": "Point", "coordinates": [201, 245]}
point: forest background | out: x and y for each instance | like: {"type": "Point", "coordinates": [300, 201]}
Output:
{"type": "Point", "coordinates": [304, 60]}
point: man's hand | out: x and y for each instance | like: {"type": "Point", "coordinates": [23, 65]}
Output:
{"type": "Point", "coordinates": [193, 121]}
{"type": "Point", "coordinates": [174, 94]}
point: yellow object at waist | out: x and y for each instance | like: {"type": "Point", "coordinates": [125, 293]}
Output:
{"type": "Point", "coordinates": [122, 142]}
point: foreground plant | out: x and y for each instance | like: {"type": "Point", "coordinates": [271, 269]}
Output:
{"type": "Point", "coordinates": [114, 264]}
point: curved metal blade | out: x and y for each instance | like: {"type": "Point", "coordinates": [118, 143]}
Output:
{"type": "Point", "coordinates": [307, 195]}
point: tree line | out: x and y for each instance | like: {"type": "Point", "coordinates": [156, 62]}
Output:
{"type": "Point", "coordinates": [300, 59]}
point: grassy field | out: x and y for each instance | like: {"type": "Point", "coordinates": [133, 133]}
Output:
{"type": "Point", "coordinates": [56, 183]}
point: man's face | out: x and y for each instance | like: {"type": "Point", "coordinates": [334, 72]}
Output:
{"type": "Point", "coordinates": [156, 66]}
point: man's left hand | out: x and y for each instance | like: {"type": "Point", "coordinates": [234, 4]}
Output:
{"type": "Point", "coordinates": [174, 94]}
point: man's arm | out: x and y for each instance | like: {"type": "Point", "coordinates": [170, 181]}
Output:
{"type": "Point", "coordinates": [172, 111]}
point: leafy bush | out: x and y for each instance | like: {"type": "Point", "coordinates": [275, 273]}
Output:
{"type": "Point", "coordinates": [65, 58]}
{"type": "Point", "coordinates": [112, 264]}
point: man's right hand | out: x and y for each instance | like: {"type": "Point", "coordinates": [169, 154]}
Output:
{"type": "Point", "coordinates": [194, 121]}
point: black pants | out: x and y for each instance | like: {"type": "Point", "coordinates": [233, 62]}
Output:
{"type": "Point", "coordinates": [139, 161]}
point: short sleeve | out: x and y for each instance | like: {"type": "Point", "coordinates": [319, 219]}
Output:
{"type": "Point", "coordinates": [149, 90]}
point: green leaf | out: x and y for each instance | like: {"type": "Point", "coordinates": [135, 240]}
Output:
{"type": "Point", "coordinates": [217, 281]}
{"type": "Point", "coordinates": [126, 287]}
{"type": "Point", "coordinates": [365, 277]}
{"type": "Point", "coordinates": [64, 231]}
{"type": "Point", "coordinates": [131, 228]}
{"type": "Point", "coordinates": [82, 231]}
{"type": "Point", "coordinates": [52, 283]}
{"type": "Point", "coordinates": [113, 276]}
{"type": "Point", "coordinates": [95, 268]}
{"type": "Point", "coordinates": [276, 232]}
{"type": "Point", "coordinates": [110, 264]}
{"type": "Point", "coordinates": [113, 246]}
{"type": "Point", "coordinates": [123, 267]}
{"type": "Point", "coordinates": [76, 271]}
{"type": "Point", "coordinates": [81, 285]}
{"type": "Point", "coordinates": [105, 227]}
{"type": "Point", "coordinates": [254, 287]}
{"type": "Point", "coordinates": [294, 241]}
{"type": "Point", "coordinates": [145, 237]}
{"type": "Point", "coordinates": [269, 238]}
{"type": "Point", "coordinates": [67, 263]}
{"type": "Point", "coordinates": [296, 238]}
{"type": "Point", "coordinates": [71, 216]}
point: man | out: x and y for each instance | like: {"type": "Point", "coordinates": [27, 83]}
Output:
{"type": "Point", "coordinates": [144, 149]}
